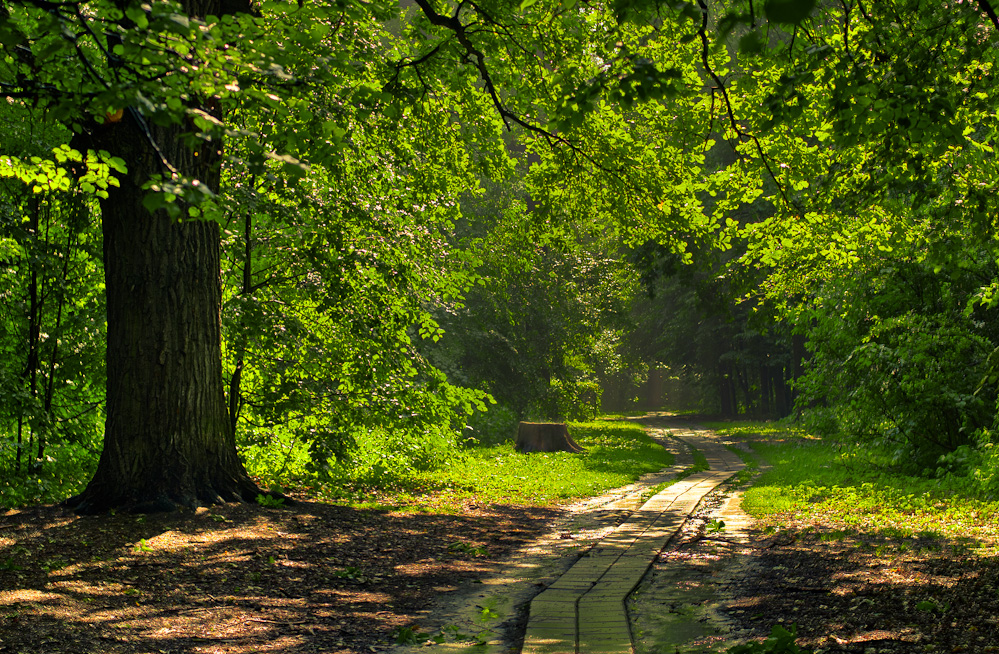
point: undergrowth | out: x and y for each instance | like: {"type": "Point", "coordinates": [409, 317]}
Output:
{"type": "Point", "coordinates": [429, 474]}
{"type": "Point", "coordinates": [65, 471]}
{"type": "Point", "coordinates": [617, 453]}
{"type": "Point", "coordinates": [812, 480]}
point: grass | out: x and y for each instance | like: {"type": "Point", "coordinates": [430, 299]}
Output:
{"type": "Point", "coordinates": [751, 462]}
{"type": "Point", "coordinates": [812, 480]}
{"type": "Point", "coordinates": [617, 453]}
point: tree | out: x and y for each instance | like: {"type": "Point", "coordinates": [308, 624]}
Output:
{"type": "Point", "coordinates": [168, 440]}
{"type": "Point", "coordinates": [331, 288]}
{"type": "Point", "coordinates": [725, 355]}
{"type": "Point", "coordinates": [878, 145]}
{"type": "Point", "coordinates": [51, 344]}
{"type": "Point", "coordinates": [168, 107]}
{"type": "Point", "coordinates": [161, 98]}
{"type": "Point", "coordinates": [165, 397]}
{"type": "Point", "coordinates": [551, 290]}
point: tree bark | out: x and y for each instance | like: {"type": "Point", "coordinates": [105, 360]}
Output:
{"type": "Point", "coordinates": [168, 439]}
{"type": "Point", "coordinates": [726, 390]}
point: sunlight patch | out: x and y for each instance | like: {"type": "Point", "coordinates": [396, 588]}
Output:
{"type": "Point", "coordinates": [27, 595]}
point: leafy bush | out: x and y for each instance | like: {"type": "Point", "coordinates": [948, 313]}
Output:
{"type": "Point", "coordinates": [498, 423]}
{"type": "Point", "coordinates": [986, 472]}
{"type": "Point", "coordinates": [973, 469]}
{"type": "Point", "coordinates": [383, 459]}
{"type": "Point", "coordinates": [67, 469]}
{"type": "Point", "coordinates": [275, 456]}
{"type": "Point", "coordinates": [577, 399]}
{"type": "Point", "coordinates": [905, 380]}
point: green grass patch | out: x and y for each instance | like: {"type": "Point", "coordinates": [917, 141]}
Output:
{"type": "Point", "coordinates": [758, 430]}
{"type": "Point", "coordinates": [700, 461]}
{"type": "Point", "coordinates": [816, 481]}
{"type": "Point", "coordinates": [751, 462]}
{"type": "Point", "coordinates": [618, 452]}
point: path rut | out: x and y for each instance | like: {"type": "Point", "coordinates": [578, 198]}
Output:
{"type": "Point", "coordinates": [582, 607]}
{"type": "Point", "coordinates": [584, 611]}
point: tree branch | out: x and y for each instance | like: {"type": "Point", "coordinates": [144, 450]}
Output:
{"type": "Point", "coordinates": [478, 59]}
{"type": "Point", "coordinates": [986, 6]}
{"type": "Point", "coordinates": [720, 86]}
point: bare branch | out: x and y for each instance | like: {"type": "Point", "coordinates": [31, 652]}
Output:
{"type": "Point", "coordinates": [720, 86]}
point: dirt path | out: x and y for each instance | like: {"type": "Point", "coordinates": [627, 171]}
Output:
{"type": "Point", "coordinates": [579, 574]}
{"type": "Point", "coordinates": [713, 587]}
{"type": "Point", "coordinates": [583, 610]}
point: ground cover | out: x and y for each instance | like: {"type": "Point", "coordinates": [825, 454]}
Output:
{"type": "Point", "coordinates": [309, 577]}
{"type": "Point", "coordinates": [823, 482]}
{"type": "Point", "coordinates": [860, 558]}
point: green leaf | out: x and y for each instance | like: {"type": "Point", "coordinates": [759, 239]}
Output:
{"type": "Point", "coordinates": [154, 201]}
{"type": "Point", "coordinates": [137, 15]}
{"type": "Point", "coordinates": [10, 35]}
{"type": "Point", "coordinates": [118, 164]}
{"type": "Point", "coordinates": [789, 12]}
{"type": "Point", "coordinates": [751, 43]}
{"type": "Point", "coordinates": [53, 47]}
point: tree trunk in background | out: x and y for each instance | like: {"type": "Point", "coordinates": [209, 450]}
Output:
{"type": "Point", "coordinates": [766, 386]}
{"type": "Point", "coordinates": [168, 440]}
{"type": "Point", "coordinates": [782, 394]}
{"type": "Point", "coordinates": [799, 353]}
{"type": "Point", "coordinates": [726, 390]}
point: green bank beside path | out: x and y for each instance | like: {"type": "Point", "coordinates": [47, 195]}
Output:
{"type": "Point", "coordinates": [836, 486]}
{"type": "Point", "coordinates": [618, 452]}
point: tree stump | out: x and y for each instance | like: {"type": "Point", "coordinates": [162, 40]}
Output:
{"type": "Point", "coordinates": [545, 437]}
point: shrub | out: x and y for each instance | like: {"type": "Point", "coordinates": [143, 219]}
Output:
{"type": "Point", "coordinates": [495, 425]}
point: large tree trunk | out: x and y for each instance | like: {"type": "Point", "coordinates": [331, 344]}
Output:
{"type": "Point", "coordinates": [168, 439]}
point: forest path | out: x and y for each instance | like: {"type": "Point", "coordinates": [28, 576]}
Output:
{"type": "Point", "coordinates": [620, 533]}
{"type": "Point", "coordinates": [584, 609]}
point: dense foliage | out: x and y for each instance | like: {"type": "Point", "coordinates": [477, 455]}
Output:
{"type": "Point", "coordinates": [434, 209]}
{"type": "Point", "coordinates": [881, 251]}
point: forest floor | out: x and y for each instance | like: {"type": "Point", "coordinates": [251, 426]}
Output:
{"type": "Point", "coordinates": [326, 578]}
{"type": "Point", "coordinates": [240, 578]}
{"type": "Point", "coordinates": [841, 589]}
{"type": "Point", "coordinates": [868, 594]}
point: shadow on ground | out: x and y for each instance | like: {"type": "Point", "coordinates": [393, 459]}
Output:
{"type": "Point", "coordinates": [308, 578]}
{"type": "Point", "coordinates": [846, 591]}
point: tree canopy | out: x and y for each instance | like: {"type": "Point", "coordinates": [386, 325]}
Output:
{"type": "Point", "coordinates": [352, 227]}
